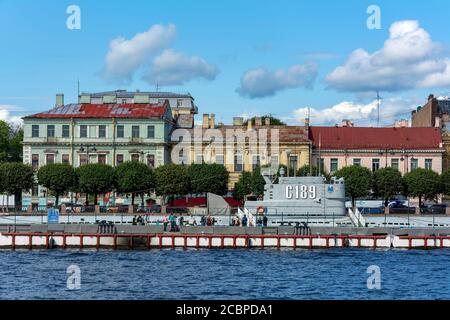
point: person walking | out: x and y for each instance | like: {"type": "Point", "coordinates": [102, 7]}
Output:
{"type": "Point", "coordinates": [172, 222]}
{"type": "Point", "coordinates": [244, 220]}
{"type": "Point", "coordinates": [165, 222]}
{"type": "Point", "coordinates": [265, 221]}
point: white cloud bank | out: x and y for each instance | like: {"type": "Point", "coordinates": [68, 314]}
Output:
{"type": "Point", "coordinates": [5, 115]}
{"type": "Point", "coordinates": [174, 68]}
{"type": "Point", "coordinates": [362, 114]}
{"type": "Point", "coordinates": [261, 82]}
{"type": "Point", "coordinates": [409, 59]}
{"type": "Point", "coordinates": [149, 50]}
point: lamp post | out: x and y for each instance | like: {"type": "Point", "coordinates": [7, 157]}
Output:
{"type": "Point", "coordinates": [88, 148]}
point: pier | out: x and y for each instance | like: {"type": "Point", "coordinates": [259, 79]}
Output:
{"type": "Point", "coordinates": [153, 237]}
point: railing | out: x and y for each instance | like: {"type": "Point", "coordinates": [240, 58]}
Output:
{"type": "Point", "coordinates": [357, 218]}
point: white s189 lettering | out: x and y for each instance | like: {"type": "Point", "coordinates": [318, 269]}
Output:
{"type": "Point", "coordinates": [300, 192]}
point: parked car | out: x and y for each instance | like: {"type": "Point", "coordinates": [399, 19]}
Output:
{"type": "Point", "coordinates": [399, 207]}
{"type": "Point", "coordinates": [438, 208]}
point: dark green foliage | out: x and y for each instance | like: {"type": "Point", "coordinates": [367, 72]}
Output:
{"type": "Point", "coordinates": [95, 178]}
{"type": "Point", "coordinates": [58, 178]}
{"type": "Point", "coordinates": [387, 183]}
{"type": "Point", "coordinates": [358, 181]}
{"type": "Point", "coordinates": [423, 184]}
{"type": "Point", "coordinates": [16, 177]}
{"type": "Point", "coordinates": [135, 178]}
{"type": "Point", "coordinates": [171, 179]}
{"type": "Point", "coordinates": [211, 178]}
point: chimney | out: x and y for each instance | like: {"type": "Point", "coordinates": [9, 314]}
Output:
{"type": "Point", "coordinates": [306, 124]}
{"type": "Point", "coordinates": [249, 124]}
{"type": "Point", "coordinates": [205, 123]}
{"type": "Point", "coordinates": [258, 121]}
{"type": "Point", "coordinates": [238, 121]}
{"type": "Point", "coordinates": [267, 121]}
{"type": "Point", "coordinates": [437, 122]}
{"type": "Point", "coordinates": [430, 97]}
{"type": "Point", "coordinates": [212, 121]}
{"type": "Point", "coordinates": [59, 99]}
{"type": "Point", "coordinates": [347, 123]}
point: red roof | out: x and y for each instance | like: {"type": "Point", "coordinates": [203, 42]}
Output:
{"type": "Point", "coordinates": [129, 110]}
{"type": "Point", "coordinates": [375, 138]}
{"type": "Point", "coordinates": [201, 201]}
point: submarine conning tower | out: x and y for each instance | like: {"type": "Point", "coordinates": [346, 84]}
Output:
{"type": "Point", "coordinates": [312, 196]}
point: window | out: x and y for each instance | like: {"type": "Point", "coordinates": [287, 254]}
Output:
{"type": "Point", "coordinates": [83, 131]}
{"type": "Point", "coordinates": [83, 159]}
{"type": "Point", "coordinates": [151, 132]}
{"type": "Point", "coordinates": [65, 131]}
{"type": "Point", "coordinates": [199, 158]}
{"type": "Point", "coordinates": [256, 162]}
{"type": "Point", "coordinates": [101, 158]}
{"type": "Point", "coordinates": [119, 159]}
{"type": "Point", "coordinates": [65, 158]}
{"type": "Point", "coordinates": [395, 164]}
{"type": "Point", "coordinates": [429, 164]}
{"type": "Point", "coordinates": [35, 131]}
{"type": "Point", "coordinates": [293, 161]}
{"type": "Point", "coordinates": [357, 162]}
{"type": "Point", "coordinates": [102, 131]}
{"type": "Point", "coordinates": [135, 131]}
{"type": "Point", "coordinates": [321, 165]}
{"type": "Point", "coordinates": [238, 163]}
{"type": "Point", "coordinates": [135, 157]}
{"type": "Point", "coordinates": [414, 163]}
{"type": "Point", "coordinates": [151, 160]}
{"type": "Point", "coordinates": [35, 161]}
{"type": "Point", "coordinates": [334, 165]}
{"type": "Point", "coordinates": [49, 158]}
{"type": "Point", "coordinates": [179, 103]}
{"type": "Point", "coordinates": [220, 159]}
{"type": "Point", "coordinates": [120, 132]}
{"type": "Point", "coordinates": [274, 161]}
{"type": "Point", "coordinates": [375, 164]}
{"type": "Point", "coordinates": [51, 131]}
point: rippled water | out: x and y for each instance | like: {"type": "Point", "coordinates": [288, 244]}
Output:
{"type": "Point", "coordinates": [225, 274]}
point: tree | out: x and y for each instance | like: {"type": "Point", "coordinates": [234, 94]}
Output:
{"type": "Point", "coordinates": [445, 182]}
{"type": "Point", "coordinates": [16, 177]}
{"type": "Point", "coordinates": [205, 178]}
{"type": "Point", "coordinates": [15, 145]}
{"type": "Point", "coordinates": [423, 184]}
{"type": "Point", "coordinates": [57, 178]}
{"type": "Point", "coordinates": [4, 141]}
{"type": "Point", "coordinates": [243, 187]}
{"type": "Point", "coordinates": [387, 183]}
{"type": "Point", "coordinates": [171, 179]}
{"type": "Point", "coordinates": [258, 182]}
{"type": "Point", "coordinates": [95, 178]}
{"type": "Point", "coordinates": [358, 181]}
{"type": "Point", "coordinates": [305, 171]}
{"type": "Point", "coordinates": [135, 178]}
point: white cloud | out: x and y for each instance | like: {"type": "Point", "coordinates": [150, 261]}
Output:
{"type": "Point", "coordinates": [362, 114]}
{"type": "Point", "coordinates": [126, 56]}
{"type": "Point", "coordinates": [5, 115]}
{"type": "Point", "coordinates": [174, 68]}
{"type": "Point", "coordinates": [409, 59]}
{"type": "Point", "coordinates": [261, 82]}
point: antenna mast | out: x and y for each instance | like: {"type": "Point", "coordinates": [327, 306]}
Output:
{"type": "Point", "coordinates": [378, 108]}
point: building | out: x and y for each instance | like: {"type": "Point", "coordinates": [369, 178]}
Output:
{"type": "Point", "coordinates": [435, 113]}
{"type": "Point", "coordinates": [110, 132]}
{"type": "Point", "coordinates": [242, 146]}
{"type": "Point", "coordinates": [403, 148]}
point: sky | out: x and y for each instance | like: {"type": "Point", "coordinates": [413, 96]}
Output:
{"type": "Point", "coordinates": [237, 58]}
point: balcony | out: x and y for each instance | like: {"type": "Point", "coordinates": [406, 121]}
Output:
{"type": "Point", "coordinates": [51, 140]}
{"type": "Point", "coordinates": [136, 140]}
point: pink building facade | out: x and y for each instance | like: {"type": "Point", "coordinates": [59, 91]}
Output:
{"type": "Point", "coordinates": [402, 148]}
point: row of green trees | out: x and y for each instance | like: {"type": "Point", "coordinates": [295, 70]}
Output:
{"type": "Point", "coordinates": [133, 178]}
{"type": "Point", "coordinates": [388, 182]}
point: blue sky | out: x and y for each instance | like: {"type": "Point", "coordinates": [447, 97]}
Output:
{"type": "Point", "coordinates": [283, 55]}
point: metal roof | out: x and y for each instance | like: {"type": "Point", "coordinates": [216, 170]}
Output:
{"type": "Point", "coordinates": [129, 110]}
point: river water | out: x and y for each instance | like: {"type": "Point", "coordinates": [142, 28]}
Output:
{"type": "Point", "coordinates": [225, 274]}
